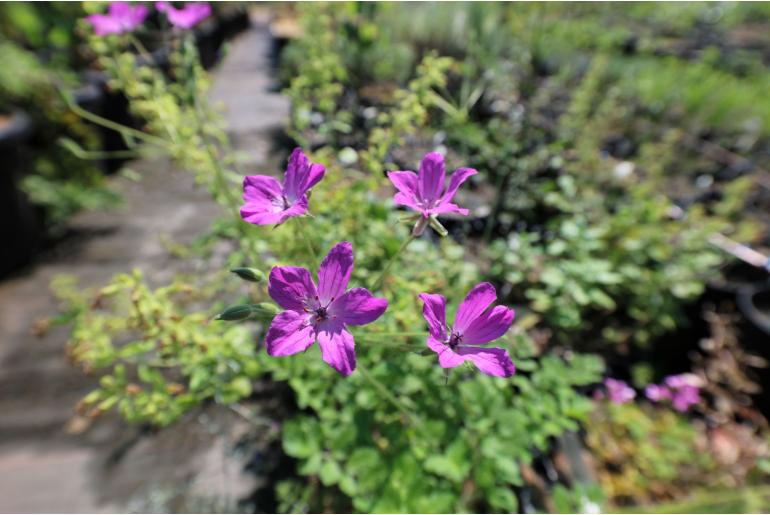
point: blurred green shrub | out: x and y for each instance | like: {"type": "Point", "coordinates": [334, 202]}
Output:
{"type": "Point", "coordinates": [61, 183]}
{"type": "Point", "coordinates": [646, 453]}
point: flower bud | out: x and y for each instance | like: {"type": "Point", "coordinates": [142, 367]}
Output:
{"type": "Point", "coordinates": [249, 274]}
{"type": "Point", "coordinates": [234, 313]}
{"type": "Point", "coordinates": [246, 311]}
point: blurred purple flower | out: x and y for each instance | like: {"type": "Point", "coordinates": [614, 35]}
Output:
{"type": "Point", "coordinates": [321, 313]}
{"type": "Point", "coordinates": [188, 16]}
{"type": "Point", "coordinates": [267, 201]}
{"type": "Point", "coordinates": [424, 192]}
{"type": "Point", "coordinates": [618, 391]}
{"type": "Point", "coordinates": [685, 396]}
{"type": "Point", "coordinates": [657, 393]}
{"type": "Point", "coordinates": [475, 324]}
{"type": "Point", "coordinates": [683, 390]}
{"type": "Point", "coordinates": [121, 17]}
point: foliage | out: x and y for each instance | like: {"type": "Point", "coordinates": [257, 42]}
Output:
{"type": "Point", "coordinates": [647, 453]}
{"type": "Point", "coordinates": [58, 181]}
{"type": "Point", "coordinates": [594, 226]}
{"type": "Point", "coordinates": [155, 361]}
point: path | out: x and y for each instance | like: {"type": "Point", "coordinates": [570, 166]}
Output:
{"type": "Point", "coordinates": [112, 467]}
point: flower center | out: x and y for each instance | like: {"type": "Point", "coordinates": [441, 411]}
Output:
{"type": "Point", "coordinates": [454, 340]}
{"type": "Point", "coordinates": [321, 314]}
{"type": "Point", "coordinates": [317, 312]}
{"type": "Point", "coordinates": [281, 203]}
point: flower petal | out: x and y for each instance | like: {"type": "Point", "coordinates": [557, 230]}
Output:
{"type": "Point", "coordinates": [103, 24]}
{"type": "Point", "coordinates": [431, 176]}
{"type": "Point", "coordinates": [489, 326]}
{"type": "Point", "coordinates": [447, 358]}
{"type": "Point", "coordinates": [138, 15]}
{"type": "Point", "coordinates": [301, 175]}
{"type": "Point", "coordinates": [261, 189]}
{"type": "Point", "coordinates": [289, 334]}
{"type": "Point", "coordinates": [119, 9]}
{"type": "Point", "coordinates": [334, 272]}
{"type": "Point", "coordinates": [490, 360]}
{"type": "Point", "coordinates": [458, 177]}
{"type": "Point", "coordinates": [448, 207]}
{"type": "Point", "coordinates": [405, 182]}
{"type": "Point", "coordinates": [401, 199]}
{"type": "Point", "coordinates": [292, 287]}
{"type": "Point", "coordinates": [434, 312]}
{"type": "Point", "coordinates": [407, 185]}
{"type": "Point", "coordinates": [358, 307]}
{"type": "Point", "coordinates": [264, 201]}
{"type": "Point", "coordinates": [337, 346]}
{"type": "Point", "coordinates": [475, 303]}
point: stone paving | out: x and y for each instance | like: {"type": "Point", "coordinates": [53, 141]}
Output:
{"type": "Point", "coordinates": [110, 466]}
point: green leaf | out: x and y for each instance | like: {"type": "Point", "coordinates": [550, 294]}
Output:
{"type": "Point", "coordinates": [503, 499]}
{"type": "Point", "coordinates": [330, 472]}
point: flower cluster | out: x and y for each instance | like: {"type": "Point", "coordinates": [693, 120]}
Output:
{"type": "Point", "coordinates": [618, 392]}
{"type": "Point", "coordinates": [122, 17]}
{"type": "Point", "coordinates": [682, 390]}
{"type": "Point", "coordinates": [322, 311]}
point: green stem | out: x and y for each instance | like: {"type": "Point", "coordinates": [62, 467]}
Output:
{"type": "Point", "coordinates": [223, 191]}
{"type": "Point", "coordinates": [140, 48]}
{"type": "Point", "coordinates": [159, 85]}
{"type": "Point", "coordinates": [413, 419]}
{"type": "Point", "coordinates": [308, 241]}
{"type": "Point", "coordinates": [378, 282]}
{"type": "Point", "coordinates": [109, 124]}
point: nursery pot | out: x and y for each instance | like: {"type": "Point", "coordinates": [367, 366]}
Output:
{"type": "Point", "coordinates": [754, 303]}
{"type": "Point", "coordinates": [113, 106]}
{"type": "Point", "coordinates": [90, 96]}
{"type": "Point", "coordinates": [20, 225]}
{"type": "Point", "coordinates": [208, 39]}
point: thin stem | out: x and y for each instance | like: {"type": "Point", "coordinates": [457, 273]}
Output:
{"type": "Point", "coordinates": [229, 198]}
{"type": "Point", "coordinates": [141, 49]}
{"type": "Point", "coordinates": [378, 282]}
{"type": "Point", "coordinates": [308, 241]}
{"type": "Point", "coordinates": [159, 85]}
{"type": "Point", "coordinates": [109, 124]}
{"type": "Point", "coordinates": [413, 419]}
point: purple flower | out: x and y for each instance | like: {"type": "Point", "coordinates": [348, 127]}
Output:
{"type": "Point", "coordinates": [121, 17]}
{"type": "Point", "coordinates": [657, 393]}
{"type": "Point", "coordinates": [267, 201]}
{"type": "Point", "coordinates": [188, 16]}
{"type": "Point", "coordinates": [684, 397]}
{"type": "Point", "coordinates": [320, 313]}
{"type": "Point", "coordinates": [681, 380]}
{"type": "Point", "coordinates": [683, 390]}
{"type": "Point", "coordinates": [474, 325]}
{"type": "Point", "coordinates": [424, 192]}
{"type": "Point", "coordinates": [618, 391]}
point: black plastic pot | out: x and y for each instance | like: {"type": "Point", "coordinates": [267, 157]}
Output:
{"type": "Point", "coordinates": [90, 96]}
{"type": "Point", "coordinates": [20, 225]}
{"type": "Point", "coordinates": [96, 97]}
{"type": "Point", "coordinates": [208, 39]}
{"type": "Point", "coordinates": [754, 303]}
